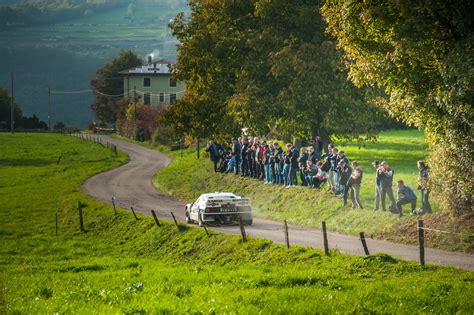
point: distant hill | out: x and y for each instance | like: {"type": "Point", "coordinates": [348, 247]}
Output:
{"type": "Point", "coordinates": [65, 54]}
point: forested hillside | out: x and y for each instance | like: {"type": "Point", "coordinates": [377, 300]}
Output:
{"type": "Point", "coordinates": [61, 44]}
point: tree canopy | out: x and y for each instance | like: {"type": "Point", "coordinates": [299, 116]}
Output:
{"type": "Point", "coordinates": [263, 66]}
{"type": "Point", "coordinates": [109, 82]}
{"type": "Point", "coordinates": [421, 53]}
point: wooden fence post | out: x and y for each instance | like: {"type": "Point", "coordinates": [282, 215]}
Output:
{"type": "Point", "coordinates": [155, 218]}
{"type": "Point", "coordinates": [242, 230]}
{"type": "Point", "coordinates": [325, 239]}
{"type": "Point", "coordinates": [81, 219]}
{"type": "Point", "coordinates": [285, 230]}
{"type": "Point", "coordinates": [134, 214]}
{"type": "Point", "coordinates": [113, 203]}
{"type": "Point", "coordinates": [421, 242]}
{"type": "Point", "coordinates": [174, 219]}
{"type": "Point", "coordinates": [115, 149]}
{"type": "Point", "coordinates": [364, 244]}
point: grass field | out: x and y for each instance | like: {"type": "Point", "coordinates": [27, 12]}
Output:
{"type": "Point", "coordinates": [188, 177]}
{"type": "Point", "coordinates": [120, 265]}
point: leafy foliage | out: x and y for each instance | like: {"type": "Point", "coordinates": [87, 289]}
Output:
{"type": "Point", "coordinates": [108, 81]}
{"type": "Point", "coordinates": [19, 120]}
{"type": "Point", "coordinates": [262, 65]}
{"type": "Point", "coordinates": [421, 54]}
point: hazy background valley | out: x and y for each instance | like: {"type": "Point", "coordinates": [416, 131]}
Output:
{"type": "Point", "coordinates": [61, 44]}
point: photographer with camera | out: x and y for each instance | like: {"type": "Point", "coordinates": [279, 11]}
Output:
{"type": "Point", "coordinates": [277, 156]}
{"type": "Point", "coordinates": [244, 164]}
{"type": "Point", "coordinates": [345, 180]}
{"type": "Point", "coordinates": [405, 195]}
{"type": "Point", "coordinates": [215, 152]}
{"type": "Point", "coordinates": [304, 155]}
{"type": "Point", "coordinates": [424, 187]}
{"type": "Point", "coordinates": [309, 172]}
{"type": "Point", "coordinates": [385, 174]}
{"type": "Point", "coordinates": [355, 182]}
{"type": "Point", "coordinates": [378, 186]}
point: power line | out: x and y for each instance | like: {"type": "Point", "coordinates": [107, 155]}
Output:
{"type": "Point", "coordinates": [115, 95]}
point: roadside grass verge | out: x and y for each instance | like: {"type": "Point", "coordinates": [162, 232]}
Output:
{"type": "Point", "coordinates": [121, 265]}
{"type": "Point", "coordinates": [187, 178]}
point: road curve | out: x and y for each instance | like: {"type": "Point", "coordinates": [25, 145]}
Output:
{"type": "Point", "coordinates": [132, 186]}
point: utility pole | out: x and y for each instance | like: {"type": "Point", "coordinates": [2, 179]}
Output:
{"type": "Point", "coordinates": [49, 109]}
{"type": "Point", "coordinates": [12, 121]}
{"type": "Point", "coordinates": [135, 111]}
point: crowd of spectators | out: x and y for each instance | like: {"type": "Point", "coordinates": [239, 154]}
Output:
{"type": "Point", "coordinates": [310, 167]}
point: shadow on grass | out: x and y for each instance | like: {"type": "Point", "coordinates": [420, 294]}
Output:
{"type": "Point", "coordinates": [27, 162]}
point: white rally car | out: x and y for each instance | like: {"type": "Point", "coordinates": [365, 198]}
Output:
{"type": "Point", "coordinates": [219, 208]}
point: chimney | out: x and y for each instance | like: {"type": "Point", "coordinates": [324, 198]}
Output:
{"type": "Point", "coordinates": [150, 59]}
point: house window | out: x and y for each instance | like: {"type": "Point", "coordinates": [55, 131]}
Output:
{"type": "Point", "coordinates": [162, 97]}
{"type": "Point", "coordinates": [172, 98]}
{"type": "Point", "coordinates": [146, 98]}
{"type": "Point", "coordinates": [146, 82]}
{"type": "Point", "coordinates": [172, 83]}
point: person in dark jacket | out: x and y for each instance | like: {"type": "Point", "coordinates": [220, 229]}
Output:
{"type": "Point", "coordinates": [355, 182]}
{"type": "Point", "coordinates": [293, 178]}
{"type": "Point", "coordinates": [286, 166]}
{"type": "Point", "coordinates": [236, 153]}
{"type": "Point", "coordinates": [312, 155]}
{"type": "Point", "coordinates": [424, 187]}
{"type": "Point", "coordinates": [310, 171]}
{"type": "Point", "coordinates": [345, 172]}
{"type": "Point", "coordinates": [302, 165]}
{"type": "Point", "coordinates": [385, 174]}
{"type": "Point", "coordinates": [244, 164]}
{"type": "Point", "coordinates": [405, 195]}
{"type": "Point", "coordinates": [277, 156]}
{"type": "Point", "coordinates": [378, 186]}
{"type": "Point", "coordinates": [214, 154]}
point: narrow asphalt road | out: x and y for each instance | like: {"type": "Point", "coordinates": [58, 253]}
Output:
{"type": "Point", "coordinates": [131, 184]}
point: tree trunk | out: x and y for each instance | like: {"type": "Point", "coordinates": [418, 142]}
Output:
{"type": "Point", "coordinates": [323, 135]}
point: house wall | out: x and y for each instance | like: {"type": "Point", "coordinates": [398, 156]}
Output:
{"type": "Point", "coordinates": [158, 84]}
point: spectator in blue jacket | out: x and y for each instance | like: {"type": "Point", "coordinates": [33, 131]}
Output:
{"type": "Point", "coordinates": [215, 151]}
{"type": "Point", "coordinates": [405, 195]}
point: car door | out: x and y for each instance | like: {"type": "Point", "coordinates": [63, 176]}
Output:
{"type": "Point", "coordinates": [195, 209]}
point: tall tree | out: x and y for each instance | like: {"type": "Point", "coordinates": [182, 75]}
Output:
{"type": "Point", "coordinates": [109, 82]}
{"type": "Point", "coordinates": [260, 65]}
{"type": "Point", "coordinates": [5, 111]}
{"type": "Point", "coordinates": [421, 53]}
{"type": "Point", "coordinates": [208, 57]}
{"type": "Point", "coordinates": [294, 79]}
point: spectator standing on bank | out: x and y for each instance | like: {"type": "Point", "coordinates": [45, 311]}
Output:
{"type": "Point", "coordinates": [345, 172]}
{"type": "Point", "coordinates": [386, 181]}
{"type": "Point", "coordinates": [272, 162]}
{"type": "Point", "coordinates": [244, 164]}
{"type": "Point", "coordinates": [356, 181]}
{"type": "Point", "coordinates": [302, 165]}
{"type": "Point", "coordinates": [214, 155]}
{"type": "Point", "coordinates": [405, 195]}
{"type": "Point", "coordinates": [277, 156]}
{"type": "Point", "coordinates": [378, 186]}
{"type": "Point", "coordinates": [236, 154]}
{"type": "Point", "coordinates": [424, 187]}
{"type": "Point", "coordinates": [294, 166]}
{"type": "Point", "coordinates": [286, 166]}
{"type": "Point", "coordinates": [333, 170]}
{"type": "Point", "coordinates": [267, 156]}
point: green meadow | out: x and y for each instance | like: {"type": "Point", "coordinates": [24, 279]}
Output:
{"type": "Point", "coordinates": [120, 265]}
{"type": "Point", "coordinates": [187, 178]}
